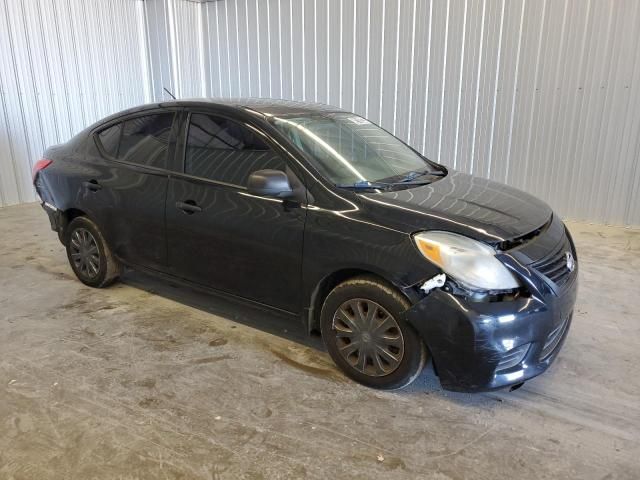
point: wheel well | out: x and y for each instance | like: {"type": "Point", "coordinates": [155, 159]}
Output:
{"type": "Point", "coordinates": [72, 213]}
{"type": "Point", "coordinates": [66, 218]}
{"type": "Point", "coordinates": [323, 289]}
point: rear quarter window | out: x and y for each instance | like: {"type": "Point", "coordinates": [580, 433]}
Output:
{"type": "Point", "coordinates": [109, 139]}
{"type": "Point", "coordinates": [141, 140]}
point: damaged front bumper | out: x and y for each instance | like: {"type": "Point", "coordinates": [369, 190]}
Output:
{"type": "Point", "coordinates": [484, 345]}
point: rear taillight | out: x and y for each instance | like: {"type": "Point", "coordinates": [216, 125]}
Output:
{"type": "Point", "coordinates": [40, 165]}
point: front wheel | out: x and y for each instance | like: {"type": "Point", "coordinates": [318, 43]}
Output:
{"type": "Point", "coordinates": [365, 333]}
{"type": "Point", "coordinates": [89, 255]}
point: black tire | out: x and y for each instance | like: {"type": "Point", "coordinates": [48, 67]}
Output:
{"type": "Point", "coordinates": [82, 236]}
{"type": "Point", "coordinates": [369, 294]}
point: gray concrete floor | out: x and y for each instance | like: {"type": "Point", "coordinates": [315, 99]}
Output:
{"type": "Point", "coordinates": [150, 380]}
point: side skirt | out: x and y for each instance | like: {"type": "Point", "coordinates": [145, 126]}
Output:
{"type": "Point", "coordinates": [204, 289]}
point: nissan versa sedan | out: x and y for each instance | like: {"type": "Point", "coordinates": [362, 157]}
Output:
{"type": "Point", "coordinates": [323, 215]}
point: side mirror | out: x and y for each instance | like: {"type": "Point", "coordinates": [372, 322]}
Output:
{"type": "Point", "coordinates": [269, 183]}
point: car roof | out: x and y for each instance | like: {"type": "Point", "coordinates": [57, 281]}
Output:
{"type": "Point", "coordinates": [265, 106]}
{"type": "Point", "coordinates": [271, 106]}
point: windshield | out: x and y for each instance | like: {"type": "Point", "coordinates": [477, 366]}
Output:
{"type": "Point", "coordinates": [350, 150]}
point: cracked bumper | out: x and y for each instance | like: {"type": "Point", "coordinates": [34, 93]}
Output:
{"type": "Point", "coordinates": [468, 340]}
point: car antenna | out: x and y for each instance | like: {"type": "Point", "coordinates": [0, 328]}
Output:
{"type": "Point", "coordinates": [172, 95]}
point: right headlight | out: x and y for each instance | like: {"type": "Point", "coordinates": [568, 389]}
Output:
{"type": "Point", "coordinates": [468, 261]}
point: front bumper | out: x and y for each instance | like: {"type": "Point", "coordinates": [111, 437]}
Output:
{"type": "Point", "coordinates": [483, 345]}
{"type": "Point", "coordinates": [468, 340]}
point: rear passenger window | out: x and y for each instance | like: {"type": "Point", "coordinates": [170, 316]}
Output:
{"type": "Point", "coordinates": [145, 140]}
{"type": "Point", "coordinates": [141, 140]}
{"type": "Point", "coordinates": [225, 151]}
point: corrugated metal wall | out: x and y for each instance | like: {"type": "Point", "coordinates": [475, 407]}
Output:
{"type": "Point", "coordinates": [540, 94]}
{"type": "Point", "coordinates": [63, 65]}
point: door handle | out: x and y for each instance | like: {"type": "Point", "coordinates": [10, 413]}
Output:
{"type": "Point", "coordinates": [92, 185]}
{"type": "Point", "coordinates": [189, 207]}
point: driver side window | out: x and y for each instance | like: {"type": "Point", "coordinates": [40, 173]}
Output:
{"type": "Point", "coordinates": [224, 151]}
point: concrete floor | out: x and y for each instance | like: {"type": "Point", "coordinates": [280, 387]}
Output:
{"type": "Point", "coordinates": [150, 380]}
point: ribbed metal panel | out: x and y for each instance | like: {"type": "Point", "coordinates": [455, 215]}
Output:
{"type": "Point", "coordinates": [543, 95]}
{"type": "Point", "coordinates": [63, 65]}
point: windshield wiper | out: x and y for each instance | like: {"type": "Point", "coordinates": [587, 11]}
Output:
{"type": "Point", "coordinates": [407, 179]}
{"type": "Point", "coordinates": [413, 175]}
{"type": "Point", "coordinates": [364, 185]}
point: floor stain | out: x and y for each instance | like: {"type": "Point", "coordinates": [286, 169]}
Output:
{"type": "Point", "coordinates": [218, 342]}
{"type": "Point", "coordinates": [393, 463]}
{"type": "Point", "coordinates": [219, 358]}
{"type": "Point", "coordinates": [317, 371]}
{"type": "Point", "coordinates": [146, 382]}
{"type": "Point", "coordinates": [262, 411]}
{"type": "Point", "coordinates": [99, 308]}
{"type": "Point", "coordinates": [159, 344]}
{"type": "Point", "coordinates": [149, 402]}
{"type": "Point", "coordinates": [60, 275]}
{"type": "Point", "coordinates": [74, 304]}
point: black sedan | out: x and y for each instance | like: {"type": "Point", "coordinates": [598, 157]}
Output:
{"type": "Point", "coordinates": [321, 214]}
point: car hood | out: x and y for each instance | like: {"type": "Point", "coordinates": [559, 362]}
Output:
{"type": "Point", "coordinates": [461, 203]}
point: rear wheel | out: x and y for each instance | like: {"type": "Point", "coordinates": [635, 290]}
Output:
{"type": "Point", "coordinates": [366, 335]}
{"type": "Point", "coordinates": [89, 255]}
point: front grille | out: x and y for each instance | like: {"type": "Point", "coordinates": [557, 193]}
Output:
{"type": "Point", "coordinates": [554, 266]}
{"type": "Point", "coordinates": [554, 338]}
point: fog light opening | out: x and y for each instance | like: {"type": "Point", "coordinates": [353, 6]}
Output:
{"type": "Point", "coordinates": [511, 358]}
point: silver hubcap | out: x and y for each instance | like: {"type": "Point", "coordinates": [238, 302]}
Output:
{"type": "Point", "coordinates": [368, 337]}
{"type": "Point", "coordinates": [84, 252]}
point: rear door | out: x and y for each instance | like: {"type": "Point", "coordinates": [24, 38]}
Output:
{"type": "Point", "coordinates": [127, 187]}
{"type": "Point", "coordinates": [218, 234]}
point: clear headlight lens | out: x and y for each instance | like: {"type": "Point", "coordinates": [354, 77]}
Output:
{"type": "Point", "coordinates": [468, 261]}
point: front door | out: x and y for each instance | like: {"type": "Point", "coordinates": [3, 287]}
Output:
{"type": "Point", "coordinates": [218, 234]}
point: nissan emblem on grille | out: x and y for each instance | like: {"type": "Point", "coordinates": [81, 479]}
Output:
{"type": "Point", "coordinates": [571, 263]}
